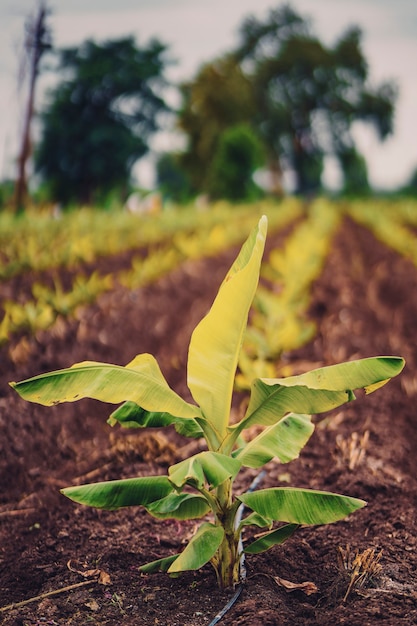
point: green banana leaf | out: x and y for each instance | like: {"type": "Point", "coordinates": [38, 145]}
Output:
{"type": "Point", "coordinates": [300, 506]}
{"type": "Point", "coordinates": [160, 565]}
{"type": "Point", "coordinates": [284, 440]}
{"type": "Point", "coordinates": [369, 374]}
{"type": "Point", "coordinates": [316, 391]}
{"type": "Point", "coordinates": [140, 381]}
{"type": "Point", "coordinates": [179, 506]}
{"type": "Point", "coordinates": [114, 494]}
{"type": "Point", "coordinates": [130, 415]}
{"type": "Point", "coordinates": [273, 538]}
{"type": "Point", "coordinates": [200, 549]}
{"type": "Point", "coordinates": [216, 341]}
{"type": "Point", "coordinates": [205, 468]}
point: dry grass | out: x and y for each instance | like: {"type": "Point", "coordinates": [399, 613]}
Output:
{"type": "Point", "coordinates": [361, 567]}
{"type": "Point", "coordinates": [353, 449]}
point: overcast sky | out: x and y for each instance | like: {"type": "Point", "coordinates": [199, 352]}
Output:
{"type": "Point", "coordinates": [199, 30]}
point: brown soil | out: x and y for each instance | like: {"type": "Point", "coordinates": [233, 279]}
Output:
{"type": "Point", "coordinates": [365, 304]}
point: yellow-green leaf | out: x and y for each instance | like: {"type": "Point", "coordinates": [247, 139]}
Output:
{"type": "Point", "coordinates": [316, 391]}
{"type": "Point", "coordinates": [141, 381]}
{"type": "Point", "coordinates": [355, 374]}
{"type": "Point", "coordinates": [217, 340]}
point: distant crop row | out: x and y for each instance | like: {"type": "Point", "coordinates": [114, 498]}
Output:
{"type": "Point", "coordinates": [169, 239]}
{"type": "Point", "coordinates": [394, 224]}
{"type": "Point", "coordinates": [39, 242]}
{"type": "Point", "coordinates": [280, 318]}
{"type": "Point", "coordinates": [279, 321]}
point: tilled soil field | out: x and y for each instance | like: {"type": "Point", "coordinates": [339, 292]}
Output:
{"type": "Point", "coordinates": [74, 565]}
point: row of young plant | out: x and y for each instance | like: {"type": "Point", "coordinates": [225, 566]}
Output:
{"type": "Point", "coordinates": [279, 322]}
{"type": "Point", "coordinates": [39, 241]}
{"type": "Point", "coordinates": [393, 223]}
{"type": "Point", "coordinates": [207, 241]}
{"type": "Point", "coordinates": [206, 234]}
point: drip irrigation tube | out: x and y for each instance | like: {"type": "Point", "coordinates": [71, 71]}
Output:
{"type": "Point", "coordinates": [239, 588]}
{"type": "Point", "coordinates": [228, 606]}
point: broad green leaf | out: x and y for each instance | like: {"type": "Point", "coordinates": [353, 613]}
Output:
{"type": "Point", "coordinates": [217, 340]}
{"type": "Point", "coordinates": [141, 381]}
{"type": "Point", "coordinates": [300, 506]}
{"type": "Point", "coordinates": [200, 550]}
{"type": "Point", "coordinates": [357, 374]}
{"type": "Point", "coordinates": [269, 403]}
{"type": "Point", "coordinates": [114, 494]}
{"type": "Point", "coordinates": [205, 468]}
{"type": "Point", "coordinates": [316, 391]}
{"type": "Point", "coordinates": [179, 506]}
{"type": "Point", "coordinates": [130, 415]}
{"type": "Point", "coordinates": [283, 440]}
{"type": "Point", "coordinates": [160, 565]}
{"type": "Point", "coordinates": [271, 539]}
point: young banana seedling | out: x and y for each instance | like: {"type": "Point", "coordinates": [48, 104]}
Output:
{"type": "Point", "coordinates": [203, 484]}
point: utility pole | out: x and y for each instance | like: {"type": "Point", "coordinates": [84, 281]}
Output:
{"type": "Point", "coordinates": [38, 40]}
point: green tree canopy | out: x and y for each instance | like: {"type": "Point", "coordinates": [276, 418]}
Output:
{"type": "Point", "coordinates": [355, 173]}
{"type": "Point", "coordinates": [100, 116]}
{"type": "Point", "coordinates": [239, 153]}
{"type": "Point", "coordinates": [299, 95]}
{"type": "Point", "coordinates": [218, 98]}
{"type": "Point", "coordinates": [171, 178]}
{"type": "Point", "coordinates": [308, 94]}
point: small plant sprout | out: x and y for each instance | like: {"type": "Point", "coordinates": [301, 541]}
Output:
{"type": "Point", "coordinates": [201, 487]}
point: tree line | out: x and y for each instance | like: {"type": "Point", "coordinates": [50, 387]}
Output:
{"type": "Point", "coordinates": [281, 100]}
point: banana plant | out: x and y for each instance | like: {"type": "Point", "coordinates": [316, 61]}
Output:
{"type": "Point", "coordinates": [202, 486]}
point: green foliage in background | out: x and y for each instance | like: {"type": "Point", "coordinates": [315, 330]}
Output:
{"type": "Point", "coordinates": [307, 93]}
{"type": "Point", "coordinates": [219, 97]}
{"type": "Point", "coordinates": [100, 117]}
{"type": "Point", "coordinates": [238, 154]}
{"type": "Point", "coordinates": [355, 173]}
{"type": "Point", "coordinates": [172, 180]}
{"type": "Point", "coordinates": [299, 95]}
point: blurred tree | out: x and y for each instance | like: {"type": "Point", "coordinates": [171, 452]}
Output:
{"type": "Point", "coordinates": [238, 154]}
{"type": "Point", "coordinates": [355, 173]}
{"type": "Point", "coordinates": [308, 95]}
{"type": "Point", "coordinates": [100, 117]}
{"type": "Point", "coordinates": [171, 179]}
{"type": "Point", "coordinates": [218, 98]}
{"type": "Point", "coordinates": [299, 96]}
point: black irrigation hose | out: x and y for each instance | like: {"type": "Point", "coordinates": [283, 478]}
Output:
{"type": "Point", "coordinates": [238, 591]}
{"type": "Point", "coordinates": [228, 606]}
